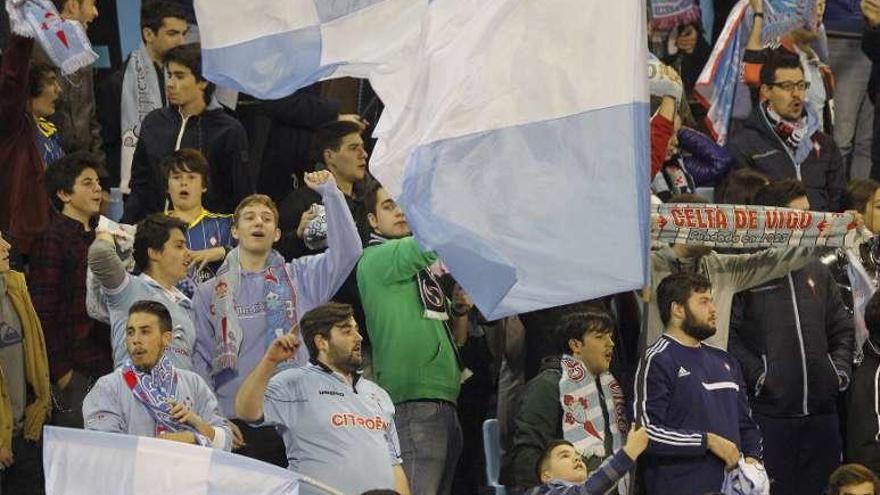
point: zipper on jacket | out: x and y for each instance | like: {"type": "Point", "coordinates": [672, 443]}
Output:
{"type": "Point", "coordinates": [183, 128]}
{"type": "Point", "coordinates": [800, 334]}
{"type": "Point", "coordinates": [763, 378]}
{"type": "Point", "coordinates": [797, 167]}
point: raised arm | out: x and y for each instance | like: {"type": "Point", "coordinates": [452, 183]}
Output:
{"type": "Point", "coordinates": [105, 263]}
{"type": "Point", "coordinates": [250, 396]}
{"type": "Point", "coordinates": [321, 275]}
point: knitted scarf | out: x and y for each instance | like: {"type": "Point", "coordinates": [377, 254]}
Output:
{"type": "Point", "coordinates": [140, 95]}
{"type": "Point", "coordinates": [797, 135]}
{"type": "Point", "coordinates": [156, 389]}
{"type": "Point", "coordinates": [279, 295]}
{"type": "Point", "coordinates": [36, 365]}
{"type": "Point", "coordinates": [430, 292]}
{"type": "Point", "coordinates": [582, 421]}
{"type": "Point", "coordinates": [64, 41]}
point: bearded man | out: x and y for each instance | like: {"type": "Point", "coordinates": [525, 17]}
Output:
{"type": "Point", "coordinates": [691, 398]}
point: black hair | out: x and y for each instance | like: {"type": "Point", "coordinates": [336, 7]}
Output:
{"type": "Point", "coordinates": [152, 233]}
{"type": "Point", "coordinates": [154, 13]}
{"type": "Point", "coordinates": [320, 320]}
{"type": "Point", "coordinates": [329, 137]}
{"type": "Point", "coordinates": [61, 176]}
{"type": "Point", "coordinates": [577, 324]}
{"type": "Point", "coordinates": [371, 196]}
{"type": "Point", "coordinates": [779, 58]}
{"type": "Point", "coordinates": [38, 73]}
{"type": "Point", "coordinates": [546, 454]}
{"type": "Point", "coordinates": [677, 288]}
{"type": "Point", "coordinates": [740, 186]}
{"type": "Point", "coordinates": [858, 193]}
{"type": "Point", "coordinates": [154, 308]}
{"type": "Point", "coordinates": [780, 193]}
{"type": "Point", "coordinates": [190, 56]}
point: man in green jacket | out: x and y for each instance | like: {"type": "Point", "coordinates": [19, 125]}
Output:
{"type": "Point", "coordinates": [415, 334]}
{"type": "Point", "coordinates": [553, 409]}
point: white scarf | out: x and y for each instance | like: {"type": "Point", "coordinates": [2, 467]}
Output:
{"type": "Point", "coordinates": [140, 95]}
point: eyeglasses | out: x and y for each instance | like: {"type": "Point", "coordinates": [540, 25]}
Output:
{"type": "Point", "coordinates": [790, 86]}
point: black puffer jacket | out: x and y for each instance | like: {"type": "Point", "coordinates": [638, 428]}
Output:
{"type": "Point", "coordinates": [793, 337]}
{"type": "Point", "coordinates": [218, 136]}
{"type": "Point", "coordinates": [823, 173]}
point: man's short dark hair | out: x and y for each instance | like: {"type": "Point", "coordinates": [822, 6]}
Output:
{"type": "Point", "coordinates": [858, 193]}
{"type": "Point", "coordinates": [155, 308]}
{"type": "Point", "coordinates": [190, 56]}
{"type": "Point", "coordinates": [740, 186]}
{"type": "Point", "coordinates": [152, 233]}
{"type": "Point", "coordinates": [849, 475]}
{"type": "Point", "coordinates": [61, 176]}
{"type": "Point", "coordinates": [577, 324]}
{"type": "Point", "coordinates": [38, 73]}
{"type": "Point", "coordinates": [678, 288]}
{"type": "Point", "coordinates": [154, 13]}
{"type": "Point", "coordinates": [779, 58]}
{"type": "Point", "coordinates": [547, 453]}
{"type": "Point", "coordinates": [320, 321]}
{"type": "Point", "coordinates": [186, 160]}
{"type": "Point", "coordinates": [780, 193]}
{"type": "Point", "coordinates": [329, 137]}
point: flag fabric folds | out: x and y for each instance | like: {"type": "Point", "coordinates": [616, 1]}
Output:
{"type": "Point", "coordinates": [514, 135]}
{"type": "Point", "coordinates": [83, 462]}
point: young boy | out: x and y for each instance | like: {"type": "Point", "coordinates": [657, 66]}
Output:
{"type": "Point", "coordinates": [78, 345]}
{"type": "Point", "coordinates": [209, 236]}
{"type": "Point", "coordinates": [562, 471]}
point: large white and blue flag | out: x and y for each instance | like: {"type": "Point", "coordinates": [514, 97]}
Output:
{"type": "Point", "coordinates": [515, 131]}
{"type": "Point", "coordinates": [83, 462]}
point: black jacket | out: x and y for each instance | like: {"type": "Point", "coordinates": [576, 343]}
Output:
{"type": "Point", "coordinates": [218, 136]}
{"type": "Point", "coordinates": [793, 337]}
{"type": "Point", "coordinates": [863, 412]}
{"type": "Point", "coordinates": [823, 173]}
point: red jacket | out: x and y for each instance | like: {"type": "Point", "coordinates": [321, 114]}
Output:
{"type": "Point", "coordinates": [24, 203]}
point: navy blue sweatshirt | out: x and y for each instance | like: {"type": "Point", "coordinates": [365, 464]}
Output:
{"type": "Point", "coordinates": [682, 393]}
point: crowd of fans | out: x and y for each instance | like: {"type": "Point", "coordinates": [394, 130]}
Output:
{"type": "Point", "coordinates": [259, 292]}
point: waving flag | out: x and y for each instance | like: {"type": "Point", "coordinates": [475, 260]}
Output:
{"type": "Point", "coordinates": [719, 88]}
{"type": "Point", "coordinates": [667, 14]}
{"type": "Point", "coordinates": [514, 136]}
{"type": "Point", "coordinates": [95, 463]}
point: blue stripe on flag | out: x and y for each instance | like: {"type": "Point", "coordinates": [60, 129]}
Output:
{"type": "Point", "coordinates": [329, 10]}
{"type": "Point", "coordinates": [268, 67]}
{"type": "Point", "coordinates": [511, 211]}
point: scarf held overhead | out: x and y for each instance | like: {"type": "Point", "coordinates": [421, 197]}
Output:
{"type": "Point", "coordinates": [279, 296]}
{"type": "Point", "coordinates": [64, 41]}
{"type": "Point", "coordinates": [667, 14]}
{"type": "Point", "coordinates": [739, 226]}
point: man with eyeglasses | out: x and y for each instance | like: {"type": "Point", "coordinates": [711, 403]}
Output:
{"type": "Point", "coordinates": [782, 136]}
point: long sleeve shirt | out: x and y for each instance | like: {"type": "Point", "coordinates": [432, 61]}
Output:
{"type": "Point", "coordinates": [57, 281]}
{"type": "Point", "coordinates": [681, 395]}
{"type": "Point", "coordinates": [122, 290]}
{"type": "Point", "coordinates": [600, 481]}
{"type": "Point", "coordinates": [315, 278]}
{"type": "Point", "coordinates": [112, 407]}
